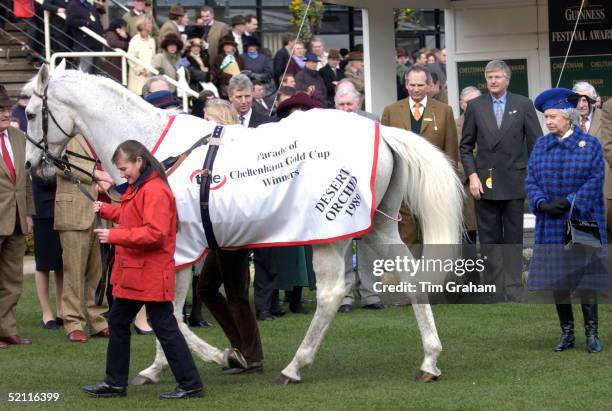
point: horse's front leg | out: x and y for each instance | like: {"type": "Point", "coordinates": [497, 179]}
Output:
{"type": "Point", "coordinates": [328, 264]}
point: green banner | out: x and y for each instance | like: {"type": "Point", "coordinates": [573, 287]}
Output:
{"type": "Point", "coordinates": [597, 70]}
{"type": "Point", "coordinates": [471, 73]}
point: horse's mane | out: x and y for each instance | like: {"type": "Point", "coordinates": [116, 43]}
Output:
{"type": "Point", "coordinates": [99, 81]}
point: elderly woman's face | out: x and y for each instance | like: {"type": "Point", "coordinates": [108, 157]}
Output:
{"type": "Point", "coordinates": [556, 122]}
{"type": "Point", "coordinates": [172, 48]}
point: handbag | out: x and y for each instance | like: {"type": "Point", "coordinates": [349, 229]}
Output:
{"type": "Point", "coordinates": [583, 233]}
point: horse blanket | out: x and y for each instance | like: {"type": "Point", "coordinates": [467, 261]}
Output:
{"type": "Point", "coordinates": [307, 179]}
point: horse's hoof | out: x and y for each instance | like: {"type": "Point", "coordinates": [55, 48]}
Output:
{"type": "Point", "coordinates": [424, 376]}
{"type": "Point", "coordinates": [282, 379]}
{"type": "Point", "coordinates": [235, 359]}
{"type": "Point", "coordinates": [141, 380]}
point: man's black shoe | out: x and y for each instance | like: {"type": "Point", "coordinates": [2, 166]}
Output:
{"type": "Point", "coordinates": [345, 308]}
{"type": "Point", "coordinates": [264, 316]}
{"type": "Point", "coordinates": [251, 368]}
{"type": "Point", "coordinates": [181, 394]}
{"type": "Point", "coordinates": [103, 390]}
{"type": "Point", "coordinates": [199, 323]}
{"type": "Point", "coordinates": [278, 312]}
{"type": "Point", "coordinates": [375, 306]}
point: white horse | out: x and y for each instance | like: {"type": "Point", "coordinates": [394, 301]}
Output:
{"type": "Point", "coordinates": [408, 169]}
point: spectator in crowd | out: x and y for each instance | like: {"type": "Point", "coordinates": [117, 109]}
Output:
{"type": "Point", "coordinates": [442, 59]}
{"type": "Point", "coordinates": [282, 56]}
{"type": "Point", "coordinates": [591, 122]}
{"type": "Point", "coordinates": [213, 31]}
{"type": "Point", "coordinates": [298, 60]}
{"type": "Point", "coordinates": [18, 111]}
{"type": "Point", "coordinates": [60, 43]}
{"type": "Point", "coordinates": [74, 219]}
{"type": "Point", "coordinates": [496, 127]}
{"type": "Point", "coordinates": [564, 181]}
{"type": "Point", "coordinates": [284, 92]}
{"type": "Point", "coordinates": [15, 188]}
{"type": "Point", "coordinates": [261, 102]}
{"type": "Point", "coordinates": [241, 96]}
{"type": "Point", "coordinates": [227, 64]}
{"type": "Point", "coordinates": [348, 99]}
{"type": "Point", "coordinates": [606, 138]}
{"type": "Point", "coordinates": [401, 61]}
{"type": "Point", "coordinates": [197, 108]}
{"type": "Point", "coordinates": [153, 84]}
{"type": "Point", "coordinates": [317, 46]}
{"type": "Point", "coordinates": [332, 74]}
{"type": "Point", "coordinates": [84, 14]}
{"type": "Point", "coordinates": [132, 18]}
{"type": "Point", "coordinates": [146, 236]}
{"type": "Point", "coordinates": [221, 112]}
{"type": "Point", "coordinates": [354, 70]}
{"type": "Point", "coordinates": [183, 22]}
{"type": "Point", "coordinates": [469, 213]}
{"type": "Point", "coordinates": [167, 59]}
{"type": "Point", "coordinates": [117, 38]}
{"type": "Point", "coordinates": [141, 46]}
{"type": "Point", "coordinates": [238, 26]}
{"type": "Point", "coordinates": [431, 58]}
{"type": "Point", "coordinates": [195, 60]}
{"type": "Point", "coordinates": [429, 118]}
{"type": "Point", "coordinates": [288, 81]}
{"type": "Point", "coordinates": [47, 251]}
{"type": "Point", "coordinates": [421, 57]}
{"type": "Point", "coordinates": [172, 25]}
{"type": "Point", "coordinates": [260, 65]}
{"type": "Point", "coordinates": [250, 27]}
{"type": "Point", "coordinates": [436, 90]}
{"type": "Point", "coordinates": [310, 81]}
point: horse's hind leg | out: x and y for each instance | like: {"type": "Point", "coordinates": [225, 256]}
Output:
{"type": "Point", "coordinates": [200, 348]}
{"type": "Point", "coordinates": [328, 264]}
{"type": "Point", "coordinates": [385, 241]}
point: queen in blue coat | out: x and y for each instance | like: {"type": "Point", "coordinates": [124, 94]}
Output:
{"type": "Point", "coordinates": [565, 167]}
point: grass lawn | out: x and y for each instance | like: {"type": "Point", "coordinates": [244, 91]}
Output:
{"type": "Point", "coordinates": [495, 357]}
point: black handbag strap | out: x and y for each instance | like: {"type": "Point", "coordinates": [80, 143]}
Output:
{"type": "Point", "coordinates": [207, 169]}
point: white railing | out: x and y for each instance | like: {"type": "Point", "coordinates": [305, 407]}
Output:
{"type": "Point", "coordinates": [181, 84]}
{"type": "Point", "coordinates": [55, 56]}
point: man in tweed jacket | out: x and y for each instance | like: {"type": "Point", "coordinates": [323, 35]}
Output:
{"type": "Point", "coordinates": [74, 219]}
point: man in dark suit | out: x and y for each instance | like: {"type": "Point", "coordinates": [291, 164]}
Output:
{"type": "Point", "coordinates": [16, 208]}
{"type": "Point", "coordinates": [332, 74]}
{"type": "Point", "coordinates": [81, 13]}
{"type": "Point", "coordinates": [240, 92]}
{"type": "Point", "coordinates": [497, 127]}
{"type": "Point", "coordinates": [281, 58]}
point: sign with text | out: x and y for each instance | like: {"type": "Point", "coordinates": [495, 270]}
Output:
{"type": "Point", "coordinates": [471, 73]}
{"type": "Point", "coordinates": [597, 70]}
{"type": "Point", "coordinates": [593, 33]}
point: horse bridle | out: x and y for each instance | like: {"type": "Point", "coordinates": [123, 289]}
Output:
{"type": "Point", "coordinates": [43, 143]}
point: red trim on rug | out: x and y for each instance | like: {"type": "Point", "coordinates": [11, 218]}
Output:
{"type": "Point", "coordinates": [163, 134]}
{"type": "Point", "coordinates": [194, 262]}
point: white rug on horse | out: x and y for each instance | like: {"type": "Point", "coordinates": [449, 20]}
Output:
{"type": "Point", "coordinates": [305, 180]}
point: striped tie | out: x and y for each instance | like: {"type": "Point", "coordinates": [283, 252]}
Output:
{"type": "Point", "coordinates": [499, 113]}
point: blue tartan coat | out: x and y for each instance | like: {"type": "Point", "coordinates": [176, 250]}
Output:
{"type": "Point", "coordinates": [571, 168]}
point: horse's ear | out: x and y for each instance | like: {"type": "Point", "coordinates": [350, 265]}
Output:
{"type": "Point", "coordinates": [42, 78]}
{"type": "Point", "coordinates": [61, 66]}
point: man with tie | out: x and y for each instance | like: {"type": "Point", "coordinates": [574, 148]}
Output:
{"type": "Point", "coordinates": [332, 74]}
{"type": "Point", "coordinates": [497, 127]}
{"type": "Point", "coordinates": [429, 118]}
{"type": "Point", "coordinates": [240, 92]}
{"type": "Point", "coordinates": [16, 208]}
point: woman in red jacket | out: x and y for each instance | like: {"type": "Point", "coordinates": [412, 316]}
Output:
{"type": "Point", "coordinates": [143, 273]}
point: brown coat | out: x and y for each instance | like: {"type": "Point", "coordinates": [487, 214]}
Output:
{"type": "Point", "coordinates": [73, 210]}
{"type": "Point", "coordinates": [604, 134]}
{"type": "Point", "coordinates": [439, 128]}
{"type": "Point", "coordinates": [15, 196]}
{"type": "Point", "coordinates": [167, 28]}
{"type": "Point", "coordinates": [217, 31]}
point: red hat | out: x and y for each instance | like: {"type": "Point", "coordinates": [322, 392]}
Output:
{"type": "Point", "coordinates": [300, 99]}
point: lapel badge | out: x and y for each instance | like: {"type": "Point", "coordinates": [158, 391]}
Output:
{"type": "Point", "coordinates": [512, 112]}
{"type": "Point", "coordinates": [582, 144]}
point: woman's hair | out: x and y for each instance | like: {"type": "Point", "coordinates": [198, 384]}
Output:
{"type": "Point", "coordinates": [222, 110]}
{"type": "Point", "coordinates": [132, 149]}
{"type": "Point", "coordinates": [572, 115]}
{"type": "Point", "coordinates": [140, 23]}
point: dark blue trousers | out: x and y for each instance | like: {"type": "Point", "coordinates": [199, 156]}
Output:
{"type": "Point", "coordinates": [167, 332]}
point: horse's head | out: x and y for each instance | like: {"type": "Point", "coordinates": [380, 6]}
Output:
{"type": "Point", "coordinates": [50, 124]}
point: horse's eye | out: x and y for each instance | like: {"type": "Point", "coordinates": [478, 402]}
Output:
{"type": "Point", "coordinates": [30, 116]}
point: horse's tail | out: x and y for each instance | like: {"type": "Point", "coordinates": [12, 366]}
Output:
{"type": "Point", "coordinates": [434, 192]}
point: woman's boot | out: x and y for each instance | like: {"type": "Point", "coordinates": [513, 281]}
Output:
{"type": "Point", "coordinates": [589, 311]}
{"type": "Point", "coordinates": [566, 320]}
